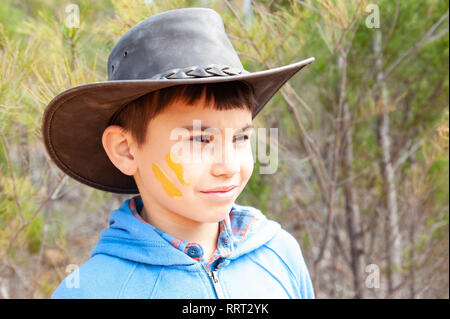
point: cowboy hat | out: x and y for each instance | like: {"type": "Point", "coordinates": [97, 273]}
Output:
{"type": "Point", "coordinates": [182, 46]}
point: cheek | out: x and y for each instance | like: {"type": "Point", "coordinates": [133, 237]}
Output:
{"type": "Point", "coordinates": [166, 182]}
{"type": "Point", "coordinates": [162, 175]}
{"type": "Point", "coordinates": [174, 163]}
{"type": "Point", "coordinates": [247, 166]}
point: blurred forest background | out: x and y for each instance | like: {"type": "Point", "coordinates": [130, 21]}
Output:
{"type": "Point", "coordinates": [362, 181]}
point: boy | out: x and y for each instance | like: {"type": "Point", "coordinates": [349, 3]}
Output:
{"type": "Point", "coordinates": [174, 125]}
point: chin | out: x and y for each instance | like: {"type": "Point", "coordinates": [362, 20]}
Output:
{"type": "Point", "coordinates": [216, 214]}
{"type": "Point", "coordinates": [221, 213]}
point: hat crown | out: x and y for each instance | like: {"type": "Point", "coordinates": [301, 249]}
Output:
{"type": "Point", "coordinates": [181, 43]}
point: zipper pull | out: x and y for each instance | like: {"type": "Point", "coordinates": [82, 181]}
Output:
{"type": "Point", "coordinates": [214, 276]}
{"type": "Point", "coordinates": [215, 281]}
{"type": "Point", "coordinates": [216, 284]}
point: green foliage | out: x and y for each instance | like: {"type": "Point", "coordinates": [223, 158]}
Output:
{"type": "Point", "coordinates": [33, 235]}
{"type": "Point", "coordinates": [438, 169]}
{"type": "Point", "coordinates": [305, 241]}
{"type": "Point", "coordinates": [12, 210]}
{"type": "Point", "coordinates": [10, 17]}
{"type": "Point", "coordinates": [285, 203]}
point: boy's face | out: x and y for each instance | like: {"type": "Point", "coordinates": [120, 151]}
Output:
{"type": "Point", "coordinates": [176, 167]}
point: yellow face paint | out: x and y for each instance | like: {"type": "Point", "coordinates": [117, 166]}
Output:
{"type": "Point", "coordinates": [166, 182]}
{"type": "Point", "coordinates": [175, 165]}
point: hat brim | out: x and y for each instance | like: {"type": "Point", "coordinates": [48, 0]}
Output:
{"type": "Point", "coordinates": [74, 121]}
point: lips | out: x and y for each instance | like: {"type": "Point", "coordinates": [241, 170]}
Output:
{"type": "Point", "coordinates": [222, 189]}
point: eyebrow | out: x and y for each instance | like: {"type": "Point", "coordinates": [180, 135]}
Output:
{"type": "Point", "coordinates": [204, 127]}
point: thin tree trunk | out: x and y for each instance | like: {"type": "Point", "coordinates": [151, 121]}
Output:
{"type": "Point", "coordinates": [352, 215]}
{"type": "Point", "coordinates": [392, 232]}
{"type": "Point", "coordinates": [414, 220]}
{"type": "Point", "coordinates": [412, 257]}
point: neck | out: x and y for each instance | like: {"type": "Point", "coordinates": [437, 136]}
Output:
{"type": "Point", "coordinates": [205, 234]}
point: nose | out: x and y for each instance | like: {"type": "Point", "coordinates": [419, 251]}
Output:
{"type": "Point", "coordinates": [228, 162]}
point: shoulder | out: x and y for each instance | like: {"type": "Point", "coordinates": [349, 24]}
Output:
{"type": "Point", "coordinates": [286, 247]}
{"type": "Point", "coordinates": [102, 276]}
{"type": "Point", "coordinates": [288, 250]}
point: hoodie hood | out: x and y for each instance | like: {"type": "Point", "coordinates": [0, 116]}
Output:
{"type": "Point", "coordinates": [129, 238]}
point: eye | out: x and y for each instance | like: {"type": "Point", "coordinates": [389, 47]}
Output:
{"type": "Point", "coordinates": [201, 138]}
{"type": "Point", "coordinates": [242, 138]}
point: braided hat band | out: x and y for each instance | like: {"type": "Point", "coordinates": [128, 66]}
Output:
{"type": "Point", "coordinates": [199, 72]}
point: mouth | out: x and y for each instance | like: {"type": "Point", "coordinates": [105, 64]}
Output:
{"type": "Point", "coordinates": [221, 189]}
{"type": "Point", "coordinates": [221, 192]}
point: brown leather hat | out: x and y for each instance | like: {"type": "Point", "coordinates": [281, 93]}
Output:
{"type": "Point", "coordinates": [182, 46]}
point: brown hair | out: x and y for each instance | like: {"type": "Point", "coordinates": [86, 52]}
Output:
{"type": "Point", "coordinates": [136, 115]}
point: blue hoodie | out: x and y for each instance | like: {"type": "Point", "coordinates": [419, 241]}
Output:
{"type": "Point", "coordinates": [132, 260]}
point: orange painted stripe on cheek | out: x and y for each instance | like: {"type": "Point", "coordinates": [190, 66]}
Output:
{"type": "Point", "coordinates": [174, 163]}
{"type": "Point", "coordinates": [166, 182]}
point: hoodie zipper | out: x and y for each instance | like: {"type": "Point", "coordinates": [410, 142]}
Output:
{"type": "Point", "coordinates": [215, 281]}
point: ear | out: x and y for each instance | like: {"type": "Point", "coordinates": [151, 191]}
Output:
{"type": "Point", "coordinates": [116, 143]}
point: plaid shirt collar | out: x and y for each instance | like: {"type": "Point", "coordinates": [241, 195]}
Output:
{"type": "Point", "coordinates": [232, 230]}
